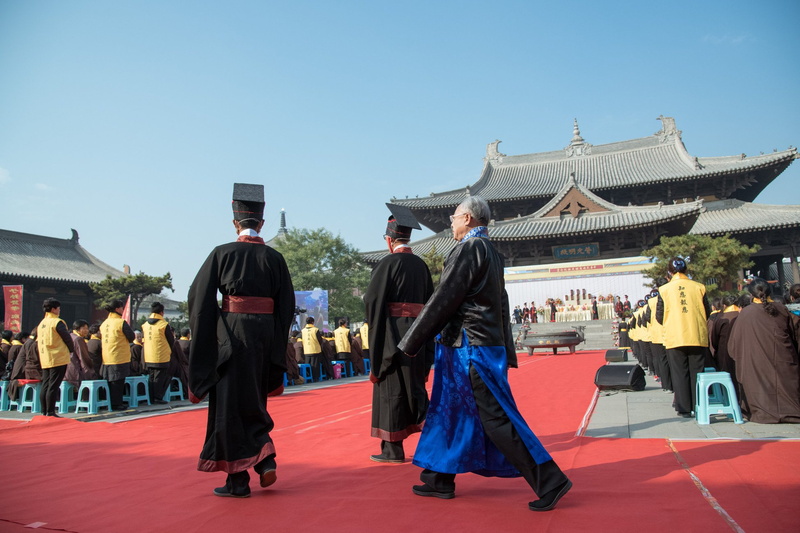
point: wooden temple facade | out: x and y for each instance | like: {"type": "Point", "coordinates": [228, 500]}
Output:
{"type": "Point", "coordinates": [614, 200]}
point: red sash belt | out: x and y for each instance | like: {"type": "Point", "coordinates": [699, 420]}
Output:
{"type": "Point", "coordinates": [397, 309]}
{"type": "Point", "coordinates": [255, 305]}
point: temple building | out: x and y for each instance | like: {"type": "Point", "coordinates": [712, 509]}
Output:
{"type": "Point", "coordinates": [47, 267]}
{"type": "Point", "coordinates": [612, 201]}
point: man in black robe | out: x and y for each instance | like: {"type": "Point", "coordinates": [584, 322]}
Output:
{"type": "Point", "coordinates": [238, 353]}
{"type": "Point", "coordinates": [399, 287]}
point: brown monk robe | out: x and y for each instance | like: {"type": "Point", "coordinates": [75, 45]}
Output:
{"type": "Point", "coordinates": [764, 345]}
{"type": "Point", "coordinates": [292, 370]}
{"type": "Point", "coordinates": [357, 355]}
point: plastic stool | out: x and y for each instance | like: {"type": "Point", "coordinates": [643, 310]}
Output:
{"type": "Point", "coordinates": [66, 397]}
{"type": "Point", "coordinates": [4, 399]}
{"type": "Point", "coordinates": [93, 389]}
{"type": "Point", "coordinates": [176, 394]}
{"type": "Point", "coordinates": [29, 396]}
{"type": "Point", "coordinates": [366, 366]}
{"type": "Point", "coordinates": [286, 380]}
{"type": "Point", "coordinates": [305, 371]}
{"type": "Point", "coordinates": [716, 389]}
{"type": "Point", "coordinates": [727, 403]}
{"type": "Point", "coordinates": [132, 385]}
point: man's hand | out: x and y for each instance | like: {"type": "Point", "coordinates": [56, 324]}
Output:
{"type": "Point", "coordinates": [373, 378]}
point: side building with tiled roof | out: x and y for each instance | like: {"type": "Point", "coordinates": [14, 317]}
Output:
{"type": "Point", "coordinates": [617, 199]}
{"type": "Point", "coordinates": [48, 267]}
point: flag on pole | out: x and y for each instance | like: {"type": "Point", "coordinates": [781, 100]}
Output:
{"type": "Point", "coordinates": [126, 313]}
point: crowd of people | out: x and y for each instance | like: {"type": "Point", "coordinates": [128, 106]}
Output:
{"type": "Point", "coordinates": [675, 332]}
{"type": "Point", "coordinates": [320, 348]}
{"type": "Point", "coordinates": [110, 350]}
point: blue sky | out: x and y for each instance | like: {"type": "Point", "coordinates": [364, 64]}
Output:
{"type": "Point", "coordinates": [129, 121]}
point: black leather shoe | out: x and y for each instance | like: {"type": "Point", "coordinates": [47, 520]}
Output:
{"type": "Point", "coordinates": [268, 477]}
{"type": "Point", "coordinates": [383, 459]}
{"type": "Point", "coordinates": [425, 490]}
{"type": "Point", "coordinates": [549, 500]}
{"type": "Point", "coordinates": [225, 493]}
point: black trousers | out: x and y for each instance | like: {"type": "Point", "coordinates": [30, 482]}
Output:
{"type": "Point", "coordinates": [685, 362]}
{"type": "Point", "coordinates": [662, 365]}
{"type": "Point", "coordinates": [393, 450]}
{"type": "Point", "coordinates": [313, 359]}
{"type": "Point", "coordinates": [116, 390]}
{"type": "Point", "coordinates": [160, 380]}
{"type": "Point", "coordinates": [49, 391]}
{"type": "Point", "coordinates": [498, 427]}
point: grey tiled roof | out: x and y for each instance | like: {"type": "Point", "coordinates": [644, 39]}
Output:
{"type": "Point", "coordinates": [40, 257]}
{"type": "Point", "coordinates": [539, 227]}
{"type": "Point", "coordinates": [736, 216]}
{"type": "Point", "coordinates": [658, 159]}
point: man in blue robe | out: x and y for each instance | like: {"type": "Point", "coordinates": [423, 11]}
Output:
{"type": "Point", "coordinates": [473, 424]}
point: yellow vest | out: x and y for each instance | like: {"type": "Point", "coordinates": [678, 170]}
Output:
{"type": "Point", "coordinates": [116, 349]}
{"type": "Point", "coordinates": [656, 329]}
{"type": "Point", "coordinates": [633, 331]}
{"type": "Point", "coordinates": [684, 314]}
{"type": "Point", "coordinates": [644, 330]}
{"type": "Point", "coordinates": [342, 342]}
{"type": "Point", "coordinates": [156, 347]}
{"type": "Point", "coordinates": [53, 351]}
{"type": "Point", "coordinates": [310, 342]}
{"type": "Point", "coordinates": [364, 337]}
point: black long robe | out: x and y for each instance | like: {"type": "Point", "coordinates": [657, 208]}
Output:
{"type": "Point", "coordinates": [399, 399]}
{"type": "Point", "coordinates": [765, 350]}
{"type": "Point", "coordinates": [238, 358]}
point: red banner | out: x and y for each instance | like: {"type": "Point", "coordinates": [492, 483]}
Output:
{"type": "Point", "coordinates": [12, 295]}
{"type": "Point", "coordinates": [126, 312]}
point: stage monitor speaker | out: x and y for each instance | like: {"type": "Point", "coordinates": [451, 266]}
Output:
{"type": "Point", "coordinates": [616, 356]}
{"type": "Point", "coordinates": [620, 377]}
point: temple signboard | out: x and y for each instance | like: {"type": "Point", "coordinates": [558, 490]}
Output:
{"type": "Point", "coordinates": [577, 251]}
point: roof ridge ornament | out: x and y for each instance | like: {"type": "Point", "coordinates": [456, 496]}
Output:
{"type": "Point", "coordinates": [669, 130]}
{"type": "Point", "coordinates": [577, 146]}
{"type": "Point", "coordinates": [492, 153]}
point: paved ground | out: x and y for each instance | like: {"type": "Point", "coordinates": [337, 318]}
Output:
{"type": "Point", "coordinates": [639, 415]}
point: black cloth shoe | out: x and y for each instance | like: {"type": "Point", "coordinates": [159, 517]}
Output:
{"type": "Point", "coordinates": [160, 402]}
{"type": "Point", "coordinates": [225, 493]}
{"type": "Point", "coordinates": [425, 490]}
{"type": "Point", "coordinates": [549, 500]}
{"type": "Point", "coordinates": [268, 477]}
{"type": "Point", "coordinates": [383, 459]}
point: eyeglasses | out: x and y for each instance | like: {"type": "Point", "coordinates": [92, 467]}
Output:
{"type": "Point", "coordinates": [453, 217]}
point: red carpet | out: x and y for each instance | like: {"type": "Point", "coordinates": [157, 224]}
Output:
{"type": "Point", "coordinates": [140, 475]}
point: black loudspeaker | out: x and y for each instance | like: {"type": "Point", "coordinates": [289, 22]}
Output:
{"type": "Point", "coordinates": [616, 356]}
{"type": "Point", "coordinates": [620, 377]}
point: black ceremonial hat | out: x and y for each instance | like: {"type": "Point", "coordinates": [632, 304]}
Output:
{"type": "Point", "coordinates": [401, 222]}
{"type": "Point", "coordinates": [248, 201]}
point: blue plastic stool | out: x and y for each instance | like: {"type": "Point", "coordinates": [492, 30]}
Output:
{"type": "Point", "coordinates": [29, 397]}
{"type": "Point", "coordinates": [93, 402]}
{"type": "Point", "coordinates": [725, 404]}
{"type": "Point", "coordinates": [286, 380]}
{"type": "Point", "coordinates": [4, 399]}
{"type": "Point", "coordinates": [66, 398]}
{"type": "Point", "coordinates": [133, 384]}
{"type": "Point", "coordinates": [176, 394]}
{"type": "Point", "coordinates": [305, 371]}
{"type": "Point", "coordinates": [715, 396]}
{"type": "Point", "coordinates": [366, 366]}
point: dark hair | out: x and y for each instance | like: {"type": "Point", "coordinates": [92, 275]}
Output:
{"type": "Point", "coordinates": [653, 294]}
{"type": "Point", "coordinates": [7, 334]}
{"type": "Point", "coordinates": [21, 335]}
{"type": "Point", "coordinates": [78, 324]}
{"type": "Point", "coordinates": [113, 305]}
{"type": "Point", "coordinates": [729, 300]}
{"type": "Point", "coordinates": [717, 302]}
{"type": "Point", "coordinates": [185, 332]}
{"type": "Point", "coordinates": [677, 264]}
{"type": "Point", "coordinates": [744, 300]}
{"type": "Point", "coordinates": [310, 320]}
{"type": "Point", "coordinates": [49, 304]}
{"type": "Point", "coordinates": [794, 292]}
{"type": "Point", "coordinates": [760, 289]}
{"type": "Point", "coordinates": [94, 328]}
{"type": "Point", "coordinates": [342, 321]}
{"type": "Point", "coordinates": [157, 308]}
{"type": "Point", "coordinates": [249, 223]}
